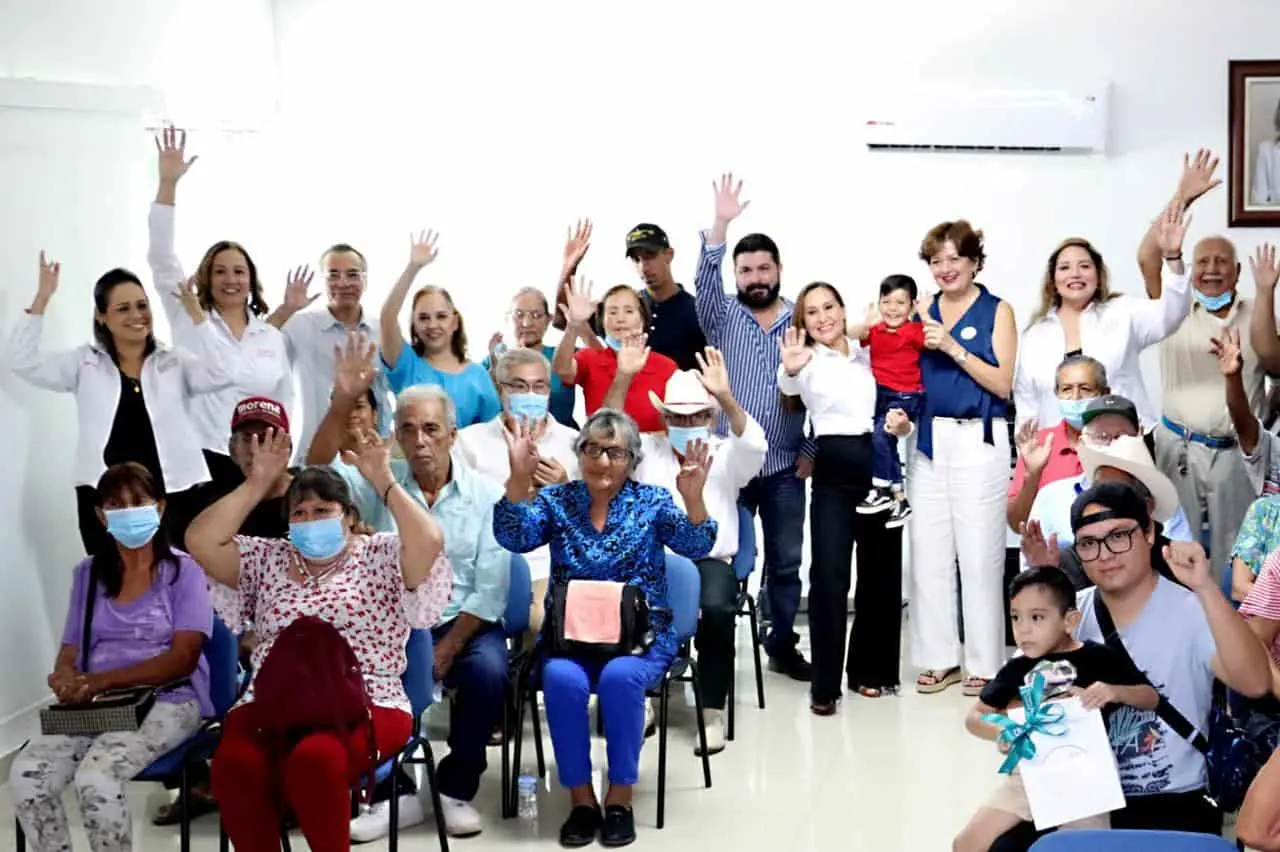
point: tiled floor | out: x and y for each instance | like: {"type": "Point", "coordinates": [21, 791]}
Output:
{"type": "Point", "coordinates": [895, 773]}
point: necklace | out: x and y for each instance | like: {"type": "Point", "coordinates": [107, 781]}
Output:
{"type": "Point", "coordinates": [313, 581]}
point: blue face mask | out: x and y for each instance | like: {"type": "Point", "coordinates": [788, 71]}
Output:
{"type": "Point", "coordinates": [682, 436]}
{"type": "Point", "coordinates": [612, 342]}
{"type": "Point", "coordinates": [1073, 411]}
{"type": "Point", "coordinates": [133, 527]}
{"type": "Point", "coordinates": [527, 406]}
{"type": "Point", "coordinates": [319, 540]}
{"type": "Point", "coordinates": [1213, 303]}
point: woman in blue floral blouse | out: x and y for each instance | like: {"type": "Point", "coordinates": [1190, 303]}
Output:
{"type": "Point", "coordinates": [605, 526]}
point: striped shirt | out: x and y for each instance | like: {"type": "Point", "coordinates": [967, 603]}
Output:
{"type": "Point", "coordinates": [1263, 600]}
{"type": "Point", "coordinates": [751, 356]}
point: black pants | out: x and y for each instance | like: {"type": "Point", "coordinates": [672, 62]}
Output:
{"type": "Point", "coordinates": [714, 639]}
{"type": "Point", "coordinates": [841, 479]}
{"type": "Point", "coordinates": [180, 510]}
{"type": "Point", "coordinates": [1190, 812]}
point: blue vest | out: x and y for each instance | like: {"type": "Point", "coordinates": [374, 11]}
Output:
{"type": "Point", "coordinates": [948, 390]}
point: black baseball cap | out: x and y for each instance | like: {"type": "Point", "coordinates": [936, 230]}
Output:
{"type": "Point", "coordinates": [1120, 499]}
{"type": "Point", "coordinates": [1113, 404]}
{"type": "Point", "coordinates": [646, 237]}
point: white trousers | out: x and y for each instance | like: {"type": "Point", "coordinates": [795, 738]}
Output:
{"type": "Point", "coordinates": [958, 511]}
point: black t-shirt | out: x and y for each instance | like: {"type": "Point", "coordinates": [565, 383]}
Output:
{"type": "Point", "coordinates": [1089, 664]}
{"type": "Point", "coordinates": [132, 439]}
{"type": "Point", "coordinates": [673, 328]}
{"type": "Point", "coordinates": [267, 519]}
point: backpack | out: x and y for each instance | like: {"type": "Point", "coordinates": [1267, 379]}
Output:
{"type": "Point", "coordinates": [1232, 755]}
{"type": "Point", "coordinates": [311, 681]}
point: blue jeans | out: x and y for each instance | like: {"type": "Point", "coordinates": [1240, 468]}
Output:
{"type": "Point", "coordinates": [478, 677]}
{"type": "Point", "coordinates": [620, 684]}
{"type": "Point", "coordinates": [779, 498]}
{"type": "Point", "coordinates": [886, 469]}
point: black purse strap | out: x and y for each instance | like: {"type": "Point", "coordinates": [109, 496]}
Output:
{"type": "Point", "coordinates": [1169, 714]}
{"type": "Point", "coordinates": [90, 598]}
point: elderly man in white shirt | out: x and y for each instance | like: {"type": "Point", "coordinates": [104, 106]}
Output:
{"type": "Point", "coordinates": [689, 407]}
{"type": "Point", "coordinates": [523, 377]}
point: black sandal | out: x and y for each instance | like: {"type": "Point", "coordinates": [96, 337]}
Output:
{"type": "Point", "coordinates": [582, 826]}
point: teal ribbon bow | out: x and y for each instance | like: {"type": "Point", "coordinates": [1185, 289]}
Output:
{"type": "Point", "coordinates": [1040, 718]}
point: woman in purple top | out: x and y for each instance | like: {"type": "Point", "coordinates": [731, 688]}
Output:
{"type": "Point", "coordinates": [149, 615]}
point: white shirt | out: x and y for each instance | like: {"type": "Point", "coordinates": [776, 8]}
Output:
{"type": "Point", "coordinates": [170, 379]}
{"type": "Point", "coordinates": [1114, 332]}
{"type": "Point", "coordinates": [1266, 174]}
{"type": "Point", "coordinates": [311, 337]}
{"type": "Point", "coordinates": [735, 461]}
{"type": "Point", "coordinates": [483, 448]}
{"type": "Point", "coordinates": [838, 391]}
{"type": "Point", "coordinates": [261, 347]}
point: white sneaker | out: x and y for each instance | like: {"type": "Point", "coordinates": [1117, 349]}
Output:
{"type": "Point", "coordinates": [650, 722]}
{"type": "Point", "coordinates": [460, 818]}
{"type": "Point", "coordinates": [713, 721]}
{"type": "Point", "coordinates": [374, 823]}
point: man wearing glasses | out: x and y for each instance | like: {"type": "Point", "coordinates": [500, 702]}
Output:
{"type": "Point", "coordinates": [1182, 636]}
{"type": "Point", "coordinates": [530, 318]}
{"type": "Point", "coordinates": [526, 388]}
{"type": "Point", "coordinates": [313, 336]}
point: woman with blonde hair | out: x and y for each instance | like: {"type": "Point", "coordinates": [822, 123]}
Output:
{"type": "Point", "coordinates": [1079, 314]}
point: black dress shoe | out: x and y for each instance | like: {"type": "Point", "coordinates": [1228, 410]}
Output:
{"type": "Point", "coordinates": [792, 664]}
{"type": "Point", "coordinates": [619, 826]}
{"type": "Point", "coordinates": [582, 826]}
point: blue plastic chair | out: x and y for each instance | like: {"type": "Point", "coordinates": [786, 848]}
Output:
{"type": "Point", "coordinates": [221, 652]}
{"type": "Point", "coordinates": [1120, 840]}
{"type": "Point", "coordinates": [744, 562]}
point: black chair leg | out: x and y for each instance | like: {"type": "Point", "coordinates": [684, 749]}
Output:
{"type": "Point", "coordinates": [664, 692]}
{"type": "Point", "coordinates": [184, 827]}
{"type": "Point", "coordinates": [284, 839]}
{"type": "Point", "coordinates": [537, 734]}
{"type": "Point", "coordinates": [510, 793]}
{"type": "Point", "coordinates": [430, 761]}
{"type": "Point", "coordinates": [755, 647]}
{"type": "Point", "coordinates": [733, 693]}
{"type": "Point", "coordinates": [508, 803]}
{"type": "Point", "coordinates": [224, 842]}
{"type": "Point", "coordinates": [19, 836]}
{"type": "Point", "coordinates": [393, 839]}
{"type": "Point", "coordinates": [702, 725]}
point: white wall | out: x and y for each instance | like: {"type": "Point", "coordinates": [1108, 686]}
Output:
{"type": "Point", "coordinates": [77, 183]}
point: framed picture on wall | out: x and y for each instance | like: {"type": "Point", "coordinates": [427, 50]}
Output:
{"type": "Point", "coordinates": [1254, 116]}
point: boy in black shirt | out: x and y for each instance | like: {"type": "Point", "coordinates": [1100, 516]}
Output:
{"type": "Point", "coordinates": [1045, 618]}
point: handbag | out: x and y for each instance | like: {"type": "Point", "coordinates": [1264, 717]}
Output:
{"type": "Point", "coordinates": [598, 620]}
{"type": "Point", "coordinates": [107, 712]}
{"type": "Point", "coordinates": [1232, 756]}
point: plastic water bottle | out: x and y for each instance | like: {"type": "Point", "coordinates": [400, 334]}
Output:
{"type": "Point", "coordinates": [527, 803]}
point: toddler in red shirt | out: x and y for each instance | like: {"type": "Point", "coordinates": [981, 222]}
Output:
{"type": "Point", "coordinates": [895, 336]}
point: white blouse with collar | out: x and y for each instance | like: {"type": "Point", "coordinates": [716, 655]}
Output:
{"type": "Point", "coordinates": [1113, 332]}
{"type": "Point", "coordinates": [838, 390]}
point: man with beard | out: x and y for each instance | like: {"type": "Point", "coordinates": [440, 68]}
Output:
{"type": "Point", "coordinates": [673, 320]}
{"type": "Point", "coordinates": [747, 330]}
{"type": "Point", "coordinates": [1196, 445]}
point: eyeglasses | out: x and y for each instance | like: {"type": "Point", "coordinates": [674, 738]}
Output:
{"type": "Point", "coordinates": [1099, 437]}
{"type": "Point", "coordinates": [531, 316]}
{"type": "Point", "coordinates": [525, 387]}
{"type": "Point", "coordinates": [616, 455]}
{"type": "Point", "coordinates": [1117, 541]}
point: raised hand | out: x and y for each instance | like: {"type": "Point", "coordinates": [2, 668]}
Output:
{"type": "Point", "coordinates": [1226, 348]}
{"type": "Point", "coordinates": [578, 305]}
{"type": "Point", "coordinates": [422, 248]}
{"type": "Point", "coordinates": [728, 207]}
{"type": "Point", "coordinates": [1035, 452]}
{"type": "Point", "coordinates": [1171, 228]}
{"type": "Point", "coordinates": [575, 248]}
{"type": "Point", "coordinates": [872, 315]}
{"type": "Point", "coordinates": [270, 455]}
{"type": "Point", "coordinates": [354, 368]}
{"type": "Point", "coordinates": [712, 371]}
{"type": "Point", "coordinates": [1035, 548]}
{"type": "Point", "coordinates": [373, 458]}
{"type": "Point", "coordinates": [171, 150]}
{"type": "Point", "coordinates": [521, 450]}
{"type": "Point", "coordinates": [1264, 268]}
{"type": "Point", "coordinates": [633, 355]}
{"type": "Point", "coordinates": [495, 345]}
{"type": "Point", "coordinates": [1189, 564]}
{"type": "Point", "coordinates": [1197, 176]}
{"type": "Point", "coordinates": [189, 292]}
{"type": "Point", "coordinates": [47, 284]}
{"type": "Point", "coordinates": [693, 471]}
{"type": "Point", "coordinates": [295, 289]}
{"type": "Point", "coordinates": [795, 355]}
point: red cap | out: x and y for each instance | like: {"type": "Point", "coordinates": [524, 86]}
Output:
{"type": "Point", "coordinates": [260, 409]}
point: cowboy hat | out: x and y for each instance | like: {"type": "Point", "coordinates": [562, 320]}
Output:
{"type": "Point", "coordinates": [684, 394]}
{"type": "Point", "coordinates": [1129, 454]}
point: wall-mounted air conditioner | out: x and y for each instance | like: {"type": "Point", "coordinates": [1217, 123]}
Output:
{"type": "Point", "coordinates": [985, 119]}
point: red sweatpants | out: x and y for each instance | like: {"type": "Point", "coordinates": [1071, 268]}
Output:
{"type": "Point", "coordinates": [315, 779]}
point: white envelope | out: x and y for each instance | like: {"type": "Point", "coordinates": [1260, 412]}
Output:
{"type": "Point", "coordinates": [1072, 776]}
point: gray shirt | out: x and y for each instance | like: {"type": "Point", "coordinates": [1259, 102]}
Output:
{"type": "Point", "coordinates": [1263, 464]}
{"type": "Point", "coordinates": [1172, 644]}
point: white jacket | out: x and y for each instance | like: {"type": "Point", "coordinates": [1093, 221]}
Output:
{"type": "Point", "coordinates": [170, 377]}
